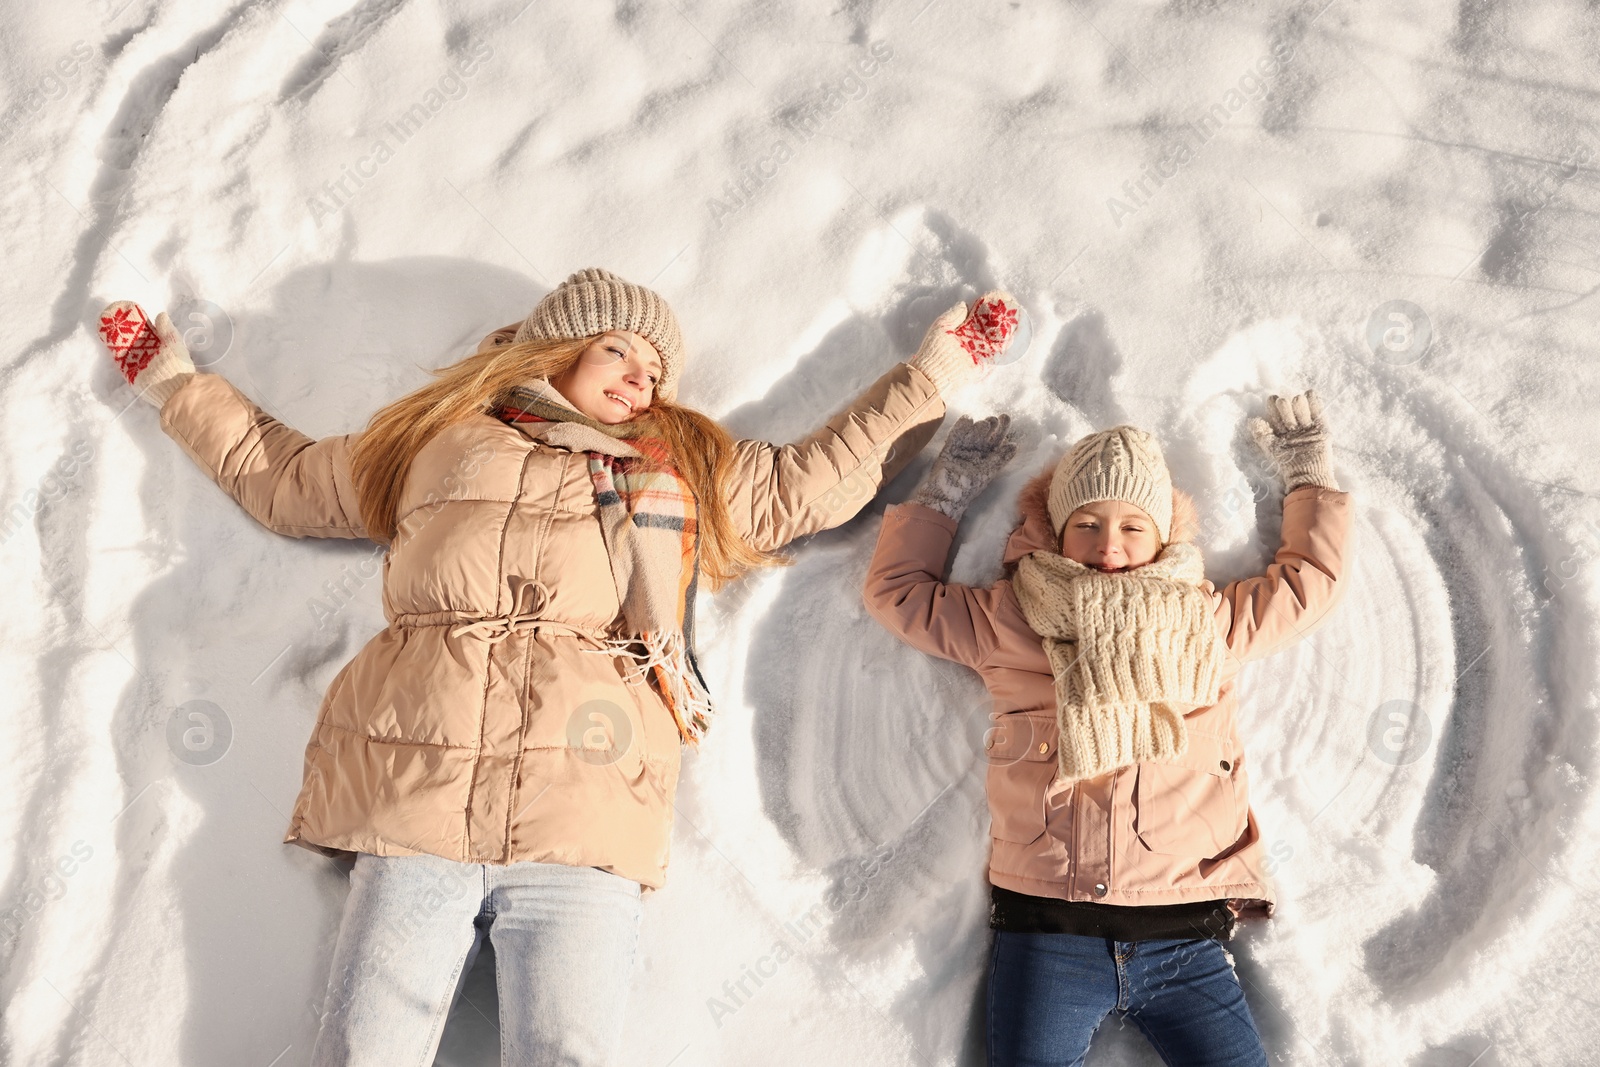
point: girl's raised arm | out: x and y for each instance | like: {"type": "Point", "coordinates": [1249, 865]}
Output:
{"type": "Point", "coordinates": [905, 588]}
{"type": "Point", "coordinates": [1306, 578]}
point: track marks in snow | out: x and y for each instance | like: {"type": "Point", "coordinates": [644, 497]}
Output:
{"type": "Point", "coordinates": [1082, 364]}
{"type": "Point", "coordinates": [121, 145]}
{"type": "Point", "coordinates": [341, 37]}
{"type": "Point", "coordinates": [1497, 803]}
{"type": "Point", "coordinates": [64, 549]}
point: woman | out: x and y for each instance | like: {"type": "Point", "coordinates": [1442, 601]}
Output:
{"type": "Point", "coordinates": [504, 754]}
{"type": "Point", "coordinates": [1124, 847]}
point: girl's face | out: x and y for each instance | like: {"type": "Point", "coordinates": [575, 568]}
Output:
{"type": "Point", "coordinates": [1110, 536]}
{"type": "Point", "coordinates": [614, 379]}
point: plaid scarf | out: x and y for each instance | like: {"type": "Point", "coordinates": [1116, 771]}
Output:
{"type": "Point", "coordinates": [648, 520]}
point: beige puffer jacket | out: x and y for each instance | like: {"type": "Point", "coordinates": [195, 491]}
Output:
{"type": "Point", "coordinates": [1152, 833]}
{"type": "Point", "coordinates": [510, 740]}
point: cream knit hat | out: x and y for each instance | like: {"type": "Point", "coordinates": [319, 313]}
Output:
{"type": "Point", "coordinates": [1122, 463]}
{"type": "Point", "coordinates": [593, 301]}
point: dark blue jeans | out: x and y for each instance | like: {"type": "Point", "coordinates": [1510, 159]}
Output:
{"type": "Point", "coordinates": [1048, 992]}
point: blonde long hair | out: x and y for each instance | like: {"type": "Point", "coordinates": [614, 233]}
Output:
{"type": "Point", "coordinates": [702, 451]}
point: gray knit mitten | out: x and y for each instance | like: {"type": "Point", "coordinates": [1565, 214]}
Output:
{"type": "Point", "coordinates": [961, 344]}
{"type": "Point", "coordinates": [150, 354]}
{"type": "Point", "coordinates": [1294, 436]}
{"type": "Point", "coordinates": [973, 456]}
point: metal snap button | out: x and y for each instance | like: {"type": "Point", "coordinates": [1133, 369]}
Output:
{"type": "Point", "coordinates": [1044, 746]}
{"type": "Point", "coordinates": [1226, 765]}
{"type": "Point", "coordinates": [1099, 889]}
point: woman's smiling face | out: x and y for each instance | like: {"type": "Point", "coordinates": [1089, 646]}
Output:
{"type": "Point", "coordinates": [614, 379]}
{"type": "Point", "coordinates": [1110, 536]}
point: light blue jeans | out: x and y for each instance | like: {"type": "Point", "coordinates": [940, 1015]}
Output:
{"type": "Point", "coordinates": [564, 941]}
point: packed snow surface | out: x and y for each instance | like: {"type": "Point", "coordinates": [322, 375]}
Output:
{"type": "Point", "coordinates": [1200, 203]}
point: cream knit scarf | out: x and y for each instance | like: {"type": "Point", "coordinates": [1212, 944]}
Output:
{"type": "Point", "coordinates": [1130, 652]}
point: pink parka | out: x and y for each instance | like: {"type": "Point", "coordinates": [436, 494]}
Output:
{"type": "Point", "coordinates": [1152, 833]}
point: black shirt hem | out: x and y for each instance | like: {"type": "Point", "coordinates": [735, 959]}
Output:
{"type": "Point", "coordinates": [1024, 914]}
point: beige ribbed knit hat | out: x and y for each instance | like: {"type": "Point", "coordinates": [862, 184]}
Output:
{"type": "Point", "coordinates": [1122, 463]}
{"type": "Point", "coordinates": [593, 301]}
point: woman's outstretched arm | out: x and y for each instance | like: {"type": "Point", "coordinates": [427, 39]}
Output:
{"type": "Point", "coordinates": [781, 492]}
{"type": "Point", "coordinates": [290, 483]}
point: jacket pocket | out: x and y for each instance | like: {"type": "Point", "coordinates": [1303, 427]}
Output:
{"type": "Point", "coordinates": [1189, 806]}
{"type": "Point", "coordinates": [1021, 753]}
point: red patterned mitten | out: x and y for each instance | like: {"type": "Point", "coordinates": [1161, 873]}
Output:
{"type": "Point", "coordinates": [960, 343]}
{"type": "Point", "coordinates": [150, 354]}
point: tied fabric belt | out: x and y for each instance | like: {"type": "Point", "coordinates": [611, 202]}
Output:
{"type": "Point", "coordinates": [529, 598]}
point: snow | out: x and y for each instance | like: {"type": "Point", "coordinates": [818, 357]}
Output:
{"type": "Point", "coordinates": [1435, 869]}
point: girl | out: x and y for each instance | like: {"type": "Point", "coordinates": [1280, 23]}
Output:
{"type": "Point", "coordinates": [1123, 842]}
{"type": "Point", "coordinates": [503, 756]}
